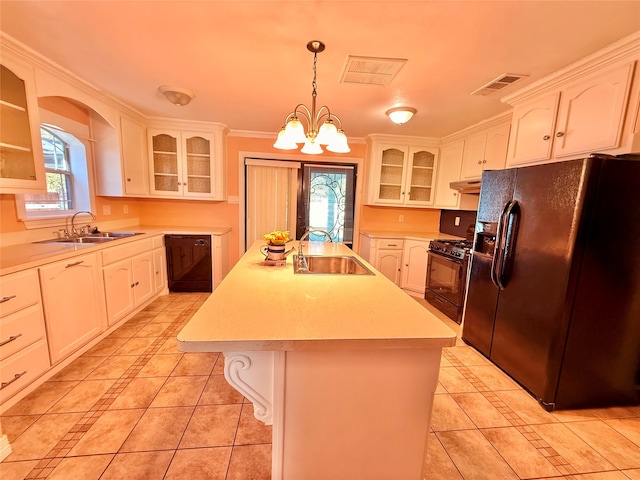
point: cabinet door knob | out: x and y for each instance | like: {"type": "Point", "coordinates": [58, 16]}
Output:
{"type": "Point", "coordinates": [479, 162]}
{"type": "Point", "coordinates": [484, 161]}
{"type": "Point", "coordinates": [128, 179]}
{"type": "Point", "coordinates": [560, 134]}
{"type": "Point", "coordinates": [546, 137]}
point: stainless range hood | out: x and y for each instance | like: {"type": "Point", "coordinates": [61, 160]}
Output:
{"type": "Point", "coordinates": [466, 186]}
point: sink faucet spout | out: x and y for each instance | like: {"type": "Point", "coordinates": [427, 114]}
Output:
{"type": "Point", "coordinates": [301, 260]}
{"type": "Point", "coordinates": [73, 219]}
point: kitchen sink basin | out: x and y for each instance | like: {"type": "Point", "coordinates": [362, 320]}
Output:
{"type": "Point", "coordinates": [93, 238]}
{"type": "Point", "coordinates": [331, 265]}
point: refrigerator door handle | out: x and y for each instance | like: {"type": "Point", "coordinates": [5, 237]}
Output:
{"type": "Point", "coordinates": [497, 254]}
{"type": "Point", "coordinates": [506, 258]}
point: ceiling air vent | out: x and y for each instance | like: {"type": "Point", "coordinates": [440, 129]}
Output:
{"type": "Point", "coordinates": [371, 70]}
{"type": "Point", "coordinates": [499, 83]}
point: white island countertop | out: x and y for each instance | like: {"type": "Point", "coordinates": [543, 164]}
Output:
{"type": "Point", "coordinates": [259, 307]}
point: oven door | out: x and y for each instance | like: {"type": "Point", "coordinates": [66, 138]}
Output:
{"type": "Point", "coordinates": [446, 278]}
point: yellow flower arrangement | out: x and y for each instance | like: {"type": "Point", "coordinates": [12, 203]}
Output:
{"type": "Point", "coordinates": [277, 237]}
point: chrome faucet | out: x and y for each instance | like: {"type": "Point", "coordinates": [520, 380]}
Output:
{"type": "Point", "coordinates": [301, 260]}
{"type": "Point", "coordinates": [73, 218]}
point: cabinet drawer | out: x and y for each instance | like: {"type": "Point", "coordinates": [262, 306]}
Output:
{"type": "Point", "coordinates": [390, 244]}
{"type": "Point", "coordinates": [20, 329]}
{"type": "Point", "coordinates": [158, 242]}
{"type": "Point", "coordinates": [115, 254]}
{"type": "Point", "coordinates": [18, 291]}
{"type": "Point", "coordinates": [21, 369]}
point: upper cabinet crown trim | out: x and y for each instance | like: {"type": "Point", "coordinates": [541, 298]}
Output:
{"type": "Point", "coordinates": [626, 49]}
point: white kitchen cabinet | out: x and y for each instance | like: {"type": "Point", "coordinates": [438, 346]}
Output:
{"type": "Point", "coordinates": [73, 304]}
{"type": "Point", "coordinates": [133, 141]}
{"type": "Point", "coordinates": [402, 174]}
{"type": "Point", "coordinates": [388, 258]}
{"type": "Point", "coordinates": [22, 165]}
{"type": "Point", "coordinates": [449, 166]}
{"type": "Point", "coordinates": [186, 164]}
{"type": "Point", "coordinates": [159, 265]}
{"type": "Point", "coordinates": [23, 342]}
{"type": "Point", "coordinates": [584, 116]}
{"type": "Point", "coordinates": [414, 267]}
{"type": "Point", "coordinates": [485, 150]}
{"type": "Point", "coordinates": [129, 278]}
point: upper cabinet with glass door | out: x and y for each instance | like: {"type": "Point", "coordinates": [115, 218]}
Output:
{"type": "Point", "coordinates": [21, 162]}
{"type": "Point", "coordinates": [402, 175]}
{"type": "Point", "coordinates": [186, 164]}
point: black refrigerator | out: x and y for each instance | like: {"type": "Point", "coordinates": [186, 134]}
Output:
{"type": "Point", "coordinates": [554, 287]}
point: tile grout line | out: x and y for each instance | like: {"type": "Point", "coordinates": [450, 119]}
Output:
{"type": "Point", "coordinates": [45, 467]}
{"type": "Point", "coordinates": [552, 456]}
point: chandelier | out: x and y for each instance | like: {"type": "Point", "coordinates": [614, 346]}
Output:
{"type": "Point", "coordinates": [321, 129]}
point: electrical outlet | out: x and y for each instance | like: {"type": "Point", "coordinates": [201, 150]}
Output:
{"type": "Point", "coordinates": [401, 218]}
{"type": "Point", "coordinates": [126, 209]}
{"type": "Point", "coordinates": [457, 222]}
{"type": "Point", "coordinates": [106, 209]}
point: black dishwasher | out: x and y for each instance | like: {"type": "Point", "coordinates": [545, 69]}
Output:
{"type": "Point", "coordinates": [188, 263]}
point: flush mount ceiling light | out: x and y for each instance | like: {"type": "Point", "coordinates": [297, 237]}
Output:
{"type": "Point", "coordinates": [321, 129]}
{"type": "Point", "coordinates": [176, 95]}
{"type": "Point", "coordinates": [400, 115]}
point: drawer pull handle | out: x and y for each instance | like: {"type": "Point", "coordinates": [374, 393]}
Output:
{"type": "Point", "coordinates": [10, 339]}
{"type": "Point", "coordinates": [392, 244]}
{"type": "Point", "coordinates": [74, 264]}
{"type": "Point", "coordinates": [6, 299]}
{"type": "Point", "coordinates": [15, 377]}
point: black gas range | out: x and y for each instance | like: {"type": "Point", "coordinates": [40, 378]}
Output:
{"type": "Point", "coordinates": [447, 268]}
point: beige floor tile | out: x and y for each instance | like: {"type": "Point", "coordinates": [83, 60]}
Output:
{"type": "Point", "coordinates": [135, 346]}
{"type": "Point", "coordinates": [42, 398]}
{"type": "Point", "coordinates": [572, 448]}
{"type": "Point", "coordinates": [106, 347]}
{"type": "Point", "coordinates": [85, 468]}
{"type": "Point", "coordinates": [196, 364]}
{"type": "Point", "coordinates": [153, 330]}
{"type": "Point", "coordinates": [108, 433]}
{"type": "Point", "coordinates": [139, 393]}
{"type": "Point", "coordinates": [158, 429]}
{"type": "Point", "coordinates": [629, 427]}
{"type": "Point", "coordinates": [200, 464]}
{"type": "Point", "coordinates": [13, 427]}
{"type": "Point", "coordinates": [602, 476]}
{"type": "Point", "coordinates": [218, 368]}
{"type": "Point", "coordinates": [615, 447]}
{"type": "Point", "coordinates": [127, 330]}
{"type": "Point", "coordinates": [42, 436]}
{"type": "Point", "coordinates": [169, 346]}
{"type": "Point", "coordinates": [525, 406]}
{"type": "Point", "coordinates": [160, 365]}
{"type": "Point", "coordinates": [445, 362]}
{"type": "Point", "coordinates": [438, 465]}
{"type": "Point", "coordinates": [574, 415]}
{"type": "Point", "coordinates": [454, 381]}
{"type": "Point", "coordinates": [218, 392]}
{"type": "Point", "coordinates": [447, 415]}
{"type": "Point", "coordinates": [250, 429]}
{"type": "Point", "coordinates": [519, 453]}
{"type": "Point", "coordinates": [79, 369]}
{"type": "Point", "coordinates": [212, 426]}
{"type": "Point", "coordinates": [475, 457]}
{"type": "Point", "coordinates": [180, 391]}
{"type": "Point", "coordinates": [618, 412]}
{"type": "Point", "coordinates": [633, 474]}
{"type": "Point", "coordinates": [480, 410]}
{"type": "Point", "coordinates": [250, 462]}
{"type": "Point", "coordinates": [138, 466]}
{"type": "Point", "coordinates": [16, 470]}
{"type": "Point", "coordinates": [112, 367]}
{"type": "Point", "coordinates": [493, 377]}
{"type": "Point", "coordinates": [82, 397]}
{"type": "Point", "coordinates": [164, 317]}
{"type": "Point", "coordinates": [468, 356]}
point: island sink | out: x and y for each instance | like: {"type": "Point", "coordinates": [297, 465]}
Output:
{"type": "Point", "coordinates": [330, 265]}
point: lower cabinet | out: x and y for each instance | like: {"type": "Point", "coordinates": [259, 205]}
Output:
{"type": "Point", "coordinates": [388, 258]}
{"type": "Point", "coordinates": [159, 270]}
{"type": "Point", "coordinates": [73, 304]}
{"type": "Point", "coordinates": [128, 284]}
{"type": "Point", "coordinates": [414, 268]}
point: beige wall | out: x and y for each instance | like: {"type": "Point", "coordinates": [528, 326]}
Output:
{"type": "Point", "coordinates": [215, 214]}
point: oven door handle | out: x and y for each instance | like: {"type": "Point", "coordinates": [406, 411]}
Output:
{"type": "Point", "coordinates": [498, 252]}
{"type": "Point", "coordinates": [506, 262]}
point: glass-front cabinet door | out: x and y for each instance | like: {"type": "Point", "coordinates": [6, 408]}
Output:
{"type": "Point", "coordinates": [197, 153]}
{"type": "Point", "coordinates": [21, 161]}
{"type": "Point", "coordinates": [392, 173]}
{"type": "Point", "coordinates": [421, 177]}
{"type": "Point", "coordinates": [164, 147]}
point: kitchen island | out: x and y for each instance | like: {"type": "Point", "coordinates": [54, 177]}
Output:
{"type": "Point", "coordinates": [343, 366]}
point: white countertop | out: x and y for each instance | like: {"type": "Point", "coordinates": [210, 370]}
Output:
{"type": "Point", "coordinates": [408, 235]}
{"type": "Point", "coordinates": [259, 307]}
{"type": "Point", "coordinates": [18, 257]}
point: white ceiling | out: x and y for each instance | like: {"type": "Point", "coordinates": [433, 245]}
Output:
{"type": "Point", "coordinates": [247, 62]}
